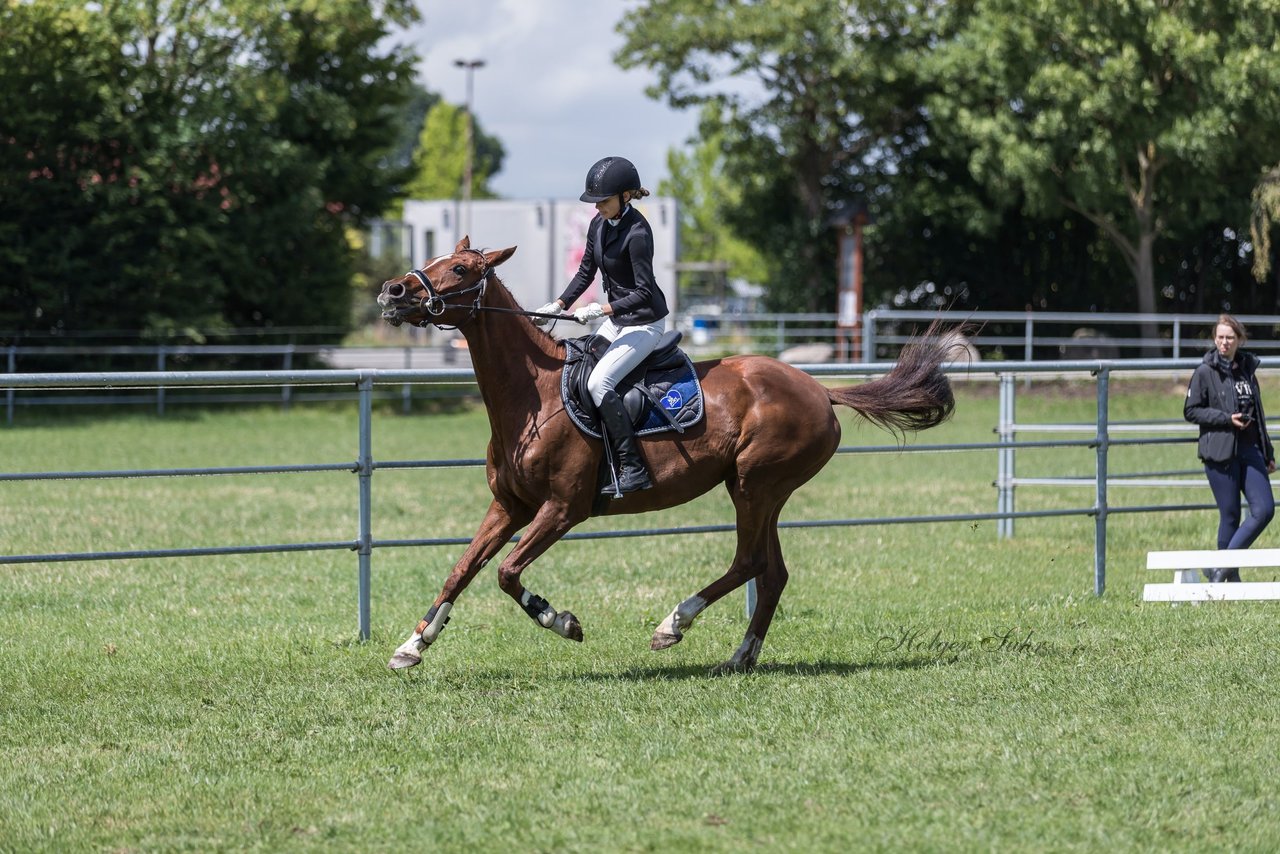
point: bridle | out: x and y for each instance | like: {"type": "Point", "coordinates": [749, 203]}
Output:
{"type": "Point", "coordinates": [434, 304]}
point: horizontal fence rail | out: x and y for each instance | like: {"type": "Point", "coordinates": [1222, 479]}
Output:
{"type": "Point", "coordinates": [421, 351]}
{"type": "Point", "coordinates": [364, 382]}
{"type": "Point", "coordinates": [1028, 335]}
{"type": "Point", "coordinates": [1050, 335]}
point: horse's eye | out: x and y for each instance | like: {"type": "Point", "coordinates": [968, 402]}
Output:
{"type": "Point", "coordinates": [459, 270]}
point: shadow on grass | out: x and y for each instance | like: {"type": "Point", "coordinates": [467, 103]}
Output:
{"type": "Point", "coordinates": [808, 668]}
{"type": "Point", "coordinates": [700, 672]}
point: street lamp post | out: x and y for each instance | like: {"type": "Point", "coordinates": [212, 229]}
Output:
{"type": "Point", "coordinates": [470, 65]}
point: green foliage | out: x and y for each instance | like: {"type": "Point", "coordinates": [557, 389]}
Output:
{"type": "Point", "coordinates": [1055, 155]}
{"type": "Point", "coordinates": [704, 194]}
{"type": "Point", "coordinates": [439, 160]}
{"type": "Point", "coordinates": [1150, 120]}
{"type": "Point", "coordinates": [168, 166]}
{"type": "Point", "coordinates": [805, 95]}
{"type": "Point", "coordinates": [1266, 211]}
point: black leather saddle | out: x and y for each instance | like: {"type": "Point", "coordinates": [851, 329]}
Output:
{"type": "Point", "coordinates": [663, 393]}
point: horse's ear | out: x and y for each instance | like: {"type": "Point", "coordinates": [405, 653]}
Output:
{"type": "Point", "coordinates": [497, 256]}
{"type": "Point", "coordinates": [464, 243]}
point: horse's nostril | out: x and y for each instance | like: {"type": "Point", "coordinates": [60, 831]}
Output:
{"type": "Point", "coordinates": [395, 291]}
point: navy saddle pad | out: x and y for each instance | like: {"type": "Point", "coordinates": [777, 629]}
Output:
{"type": "Point", "coordinates": [663, 393]}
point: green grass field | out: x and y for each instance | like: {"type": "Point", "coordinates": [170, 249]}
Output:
{"type": "Point", "coordinates": [923, 687]}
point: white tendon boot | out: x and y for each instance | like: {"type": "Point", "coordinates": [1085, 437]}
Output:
{"type": "Point", "coordinates": [671, 630]}
{"type": "Point", "coordinates": [409, 653]}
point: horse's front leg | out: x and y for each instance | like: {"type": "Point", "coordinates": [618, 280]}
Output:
{"type": "Point", "coordinates": [495, 530]}
{"type": "Point", "coordinates": [550, 524]}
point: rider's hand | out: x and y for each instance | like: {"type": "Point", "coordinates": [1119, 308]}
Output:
{"type": "Point", "coordinates": [549, 308]}
{"type": "Point", "coordinates": [588, 312]}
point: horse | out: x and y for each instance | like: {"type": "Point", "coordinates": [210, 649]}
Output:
{"type": "Point", "coordinates": [767, 429]}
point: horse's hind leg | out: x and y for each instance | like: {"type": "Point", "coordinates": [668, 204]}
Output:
{"type": "Point", "coordinates": [769, 585]}
{"type": "Point", "coordinates": [745, 566]}
{"type": "Point", "coordinates": [755, 525]}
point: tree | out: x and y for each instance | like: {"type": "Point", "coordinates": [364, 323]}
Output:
{"type": "Point", "coordinates": [1145, 117]}
{"type": "Point", "coordinates": [170, 166]}
{"type": "Point", "coordinates": [704, 194]}
{"type": "Point", "coordinates": [409, 127]}
{"type": "Point", "coordinates": [1266, 211]}
{"type": "Point", "coordinates": [438, 165]}
{"type": "Point", "coordinates": [808, 98]}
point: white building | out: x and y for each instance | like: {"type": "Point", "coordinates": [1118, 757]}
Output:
{"type": "Point", "coordinates": [550, 236]}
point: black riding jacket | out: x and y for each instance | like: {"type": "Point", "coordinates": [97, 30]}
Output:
{"type": "Point", "coordinates": [1211, 400]}
{"type": "Point", "coordinates": [623, 253]}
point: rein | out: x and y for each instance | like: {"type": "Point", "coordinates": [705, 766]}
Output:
{"type": "Point", "coordinates": [434, 304]}
{"type": "Point", "coordinates": [523, 313]}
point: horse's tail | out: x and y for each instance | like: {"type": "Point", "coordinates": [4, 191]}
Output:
{"type": "Point", "coordinates": [916, 394]}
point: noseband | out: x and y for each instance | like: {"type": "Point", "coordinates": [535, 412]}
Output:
{"type": "Point", "coordinates": [433, 303]}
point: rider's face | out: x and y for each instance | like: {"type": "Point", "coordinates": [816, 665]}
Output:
{"type": "Point", "coordinates": [610, 207]}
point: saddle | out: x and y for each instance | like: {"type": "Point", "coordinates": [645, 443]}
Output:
{"type": "Point", "coordinates": [662, 394]}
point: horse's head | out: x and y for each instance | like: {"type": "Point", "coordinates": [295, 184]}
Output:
{"type": "Point", "coordinates": [448, 290]}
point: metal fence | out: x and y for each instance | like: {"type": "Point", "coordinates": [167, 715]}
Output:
{"type": "Point", "coordinates": [1023, 335]}
{"type": "Point", "coordinates": [1026, 336]}
{"type": "Point", "coordinates": [362, 383]}
{"type": "Point", "coordinates": [160, 397]}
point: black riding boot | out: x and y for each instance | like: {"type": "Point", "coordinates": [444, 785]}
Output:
{"type": "Point", "coordinates": [632, 474]}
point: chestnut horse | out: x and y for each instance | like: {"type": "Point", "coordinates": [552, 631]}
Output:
{"type": "Point", "coordinates": [768, 428]}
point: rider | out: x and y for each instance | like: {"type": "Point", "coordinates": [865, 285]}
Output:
{"type": "Point", "coordinates": [620, 246]}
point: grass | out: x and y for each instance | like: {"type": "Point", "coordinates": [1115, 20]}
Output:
{"type": "Point", "coordinates": [923, 687]}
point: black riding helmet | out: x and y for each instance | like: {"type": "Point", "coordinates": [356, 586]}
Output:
{"type": "Point", "coordinates": [610, 176]}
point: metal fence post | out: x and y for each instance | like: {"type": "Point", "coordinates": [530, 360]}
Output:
{"type": "Point", "coordinates": [1001, 477]}
{"type": "Point", "coordinates": [160, 354]}
{"type": "Point", "coordinates": [13, 368]}
{"type": "Point", "coordinates": [1100, 479]}
{"type": "Point", "coordinates": [286, 391]}
{"type": "Point", "coordinates": [406, 399]}
{"type": "Point", "coordinates": [1177, 337]}
{"type": "Point", "coordinates": [1028, 347]}
{"type": "Point", "coordinates": [365, 469]}
{"type": "Point", "coordinates": [868, 337]}
{"type": "Point", "coordinates": [1005, 459]}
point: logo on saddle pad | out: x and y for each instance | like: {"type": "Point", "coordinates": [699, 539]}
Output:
{"type": "Point", "coordinates": [662, 394]}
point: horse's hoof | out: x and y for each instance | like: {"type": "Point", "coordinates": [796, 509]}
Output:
{"type": "Point", "coordinates": [567, 626]}
{"type": "Point", "coordinates": [664, 640]}
{"type": "Point", "coordinates": [404, 659]}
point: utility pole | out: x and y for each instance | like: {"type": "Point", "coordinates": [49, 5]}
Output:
{"type": "Point", "coordinates": [470, 65]}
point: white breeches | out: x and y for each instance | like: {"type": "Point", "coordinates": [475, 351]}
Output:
{"type": "Point", "coordinates": [630, 345]}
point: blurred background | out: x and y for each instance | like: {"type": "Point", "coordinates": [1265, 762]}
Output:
{"type": "Point", "coordinates": [239, 172]}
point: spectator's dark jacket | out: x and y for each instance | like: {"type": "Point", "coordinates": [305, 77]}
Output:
{"type": "Point", "coordinates": [624, 255]}
{"type": "Point", "coordinates": [1211, 400]}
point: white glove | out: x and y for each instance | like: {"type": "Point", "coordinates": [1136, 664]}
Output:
{"type": "Point", "coordinates": [549, 308]}
{"type": "Point", "coordinates": [588, 312]}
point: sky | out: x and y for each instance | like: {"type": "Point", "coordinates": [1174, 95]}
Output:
{"type": "Point", "coordinates": [549, 90]}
